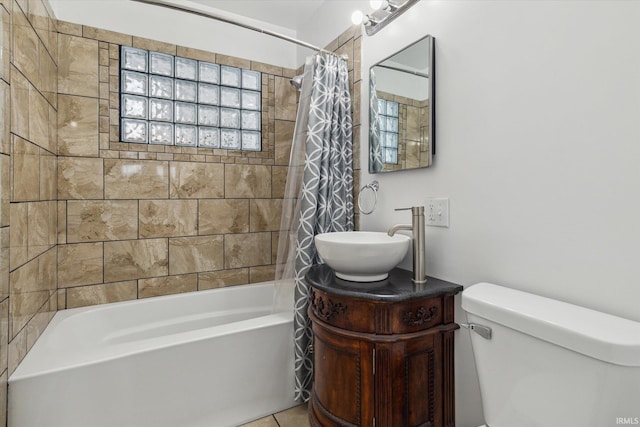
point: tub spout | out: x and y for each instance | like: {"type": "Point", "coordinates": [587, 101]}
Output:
{"type": "Point", "coordinates": [417, 229]}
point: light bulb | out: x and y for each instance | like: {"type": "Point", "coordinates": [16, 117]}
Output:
{"type": "Point", "coordinates": [356, 17]}
{"type": "Point", "coordinates": [370, 20]}
{"type": "Point", "coordinates": [389, 7]}
{"type": "Point", "coordinates": [375, 4]}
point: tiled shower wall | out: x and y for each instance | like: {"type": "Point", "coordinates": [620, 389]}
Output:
{"type": "Point", "coordinates": [86, 219]}
{"type": "Point", "coordinates": [28, 237]}
{"type": "Point", "coordinates": [137, 220]}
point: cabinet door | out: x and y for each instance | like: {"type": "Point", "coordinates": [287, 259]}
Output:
{"type": "Point", "coordinates": [343, 379]}
{"type": "Point", "coordinates": [408, 379]}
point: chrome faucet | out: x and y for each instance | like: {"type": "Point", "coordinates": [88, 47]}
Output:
{"type": "Point", "coordinates": [417, 228]}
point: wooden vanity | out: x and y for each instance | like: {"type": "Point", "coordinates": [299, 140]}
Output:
{"type": "Point", "coordinates": [383, 351]}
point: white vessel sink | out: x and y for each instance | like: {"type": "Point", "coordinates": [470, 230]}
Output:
{"type": "Point", "coordinates": [362, 256]}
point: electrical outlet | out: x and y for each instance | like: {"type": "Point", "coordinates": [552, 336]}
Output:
{"type": "Point", "coordinates": [437, 212]}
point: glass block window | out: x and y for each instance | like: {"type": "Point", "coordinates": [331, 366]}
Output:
{"type": "Point", "coordinates": [389, 131]}
{"type": "Point", "coordinates": [170, 100]}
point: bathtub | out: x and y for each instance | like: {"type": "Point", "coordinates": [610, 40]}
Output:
{"type": "Point", "coordinates": [203, 359]}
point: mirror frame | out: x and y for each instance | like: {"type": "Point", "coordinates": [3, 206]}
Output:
{"type": "Point", "coordinates": [432, 102]}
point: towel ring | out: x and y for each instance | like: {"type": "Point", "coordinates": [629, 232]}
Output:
{"type": "Point", "coordinates": [373, 186]}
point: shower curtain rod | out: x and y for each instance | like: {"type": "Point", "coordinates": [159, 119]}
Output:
{"type": "Point", "coordinates": [174, 6]}
{"type": "Point", "coordinates": [417, 73]}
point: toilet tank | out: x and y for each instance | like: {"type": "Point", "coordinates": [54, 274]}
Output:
{"type": "Point", "coordinates": [549, 363]}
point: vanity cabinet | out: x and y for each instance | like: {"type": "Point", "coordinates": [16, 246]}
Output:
{"type": "Point", "coordinates": [383, 351]}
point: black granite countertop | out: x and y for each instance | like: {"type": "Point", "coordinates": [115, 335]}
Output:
{"type": "Point", "coordinates": [397, 287]}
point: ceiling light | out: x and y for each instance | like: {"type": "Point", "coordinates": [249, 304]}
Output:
{"type": "Point", "coordinates": [370, 20]}
{"type": "Point", "coordinates": [390, 7]}
{"type": "Point", "coordinates": [384, 12]}
{"type": "Point", "coordinates": [357, 17]}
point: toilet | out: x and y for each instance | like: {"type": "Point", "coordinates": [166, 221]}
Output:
{"type": "Point", "coordinates": [546, 363]}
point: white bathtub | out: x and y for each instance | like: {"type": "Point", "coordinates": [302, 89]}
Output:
{"type": "Point", "coordinates": [203, 359]}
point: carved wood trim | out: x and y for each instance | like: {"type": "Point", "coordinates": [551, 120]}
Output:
{"type": "Point", "coordinates": [359, 388]}
{"type": "Point", "coordinates": [382, 320]}
{"type": "Point", "coordinates": [449, 410]}
{"type": "Point", "coordinates": [325, 310]}
{"type": "Point", "coordinates": [430, 393]}
{"type": "Point", "coordinates": [421, 316]}
{"type": "Point", "coordinates": [393, 331]}
{"type": "Point", "coordinates": [448, 303]}
{"type": "Point", "coordinates": [382, 377]}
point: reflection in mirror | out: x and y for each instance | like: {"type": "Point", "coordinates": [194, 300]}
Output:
{"type": "Point", "coordinates": [401, 109]}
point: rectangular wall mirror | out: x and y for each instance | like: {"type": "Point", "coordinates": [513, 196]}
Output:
{"type": "Point", "coordinates": [402, 109]}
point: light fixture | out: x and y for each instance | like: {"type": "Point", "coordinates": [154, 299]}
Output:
{"type": "Point", "coordinates": [384, 11]}
{"type": "Point", "coordinates": [356, 17]}
{"type": "Point", "coordinates": [390, 7]}
{"type": "Point", "coordinates": [369, 21]}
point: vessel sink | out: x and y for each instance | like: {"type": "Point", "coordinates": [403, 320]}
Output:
{"type": "Point", "coordinates": [362, 256]}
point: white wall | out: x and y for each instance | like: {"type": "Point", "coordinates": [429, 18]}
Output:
{"type": "Point", "coordinates": [333, 18]}
{"type": "Point", "coordinates": [538, 149]}
{"type": "Point", "coordinates": [170, 26]}
{"type": "Point", "coordinates": [157, 23]}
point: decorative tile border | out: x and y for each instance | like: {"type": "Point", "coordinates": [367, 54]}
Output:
{"type": "Point", "coordinates": [110, 144]}
{"type": "Point", "coordinates": [171, 100]}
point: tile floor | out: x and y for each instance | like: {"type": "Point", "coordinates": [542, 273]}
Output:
{"type": "Point", "coordinates": [294, 417]}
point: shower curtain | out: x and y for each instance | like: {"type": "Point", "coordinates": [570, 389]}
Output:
{"type": "Point", "coordinates": [318, 194]}
{"type": "Point", "coordinates": [375, 152]}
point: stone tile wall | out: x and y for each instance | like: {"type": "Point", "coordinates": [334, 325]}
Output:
{"type": "Point", "coordinates": [148, 220]}
{"type": "Point", "coordinates": [28, 169]}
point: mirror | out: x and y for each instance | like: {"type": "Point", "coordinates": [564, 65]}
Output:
{"type": "Point", "coordinates": [401, 109]}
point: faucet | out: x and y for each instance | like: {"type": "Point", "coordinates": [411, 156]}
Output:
{"type": "Point", "coordinates": [417, 228]}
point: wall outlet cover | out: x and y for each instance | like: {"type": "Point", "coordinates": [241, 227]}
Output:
{"type": "Point", "coordinates": [437, 211]}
